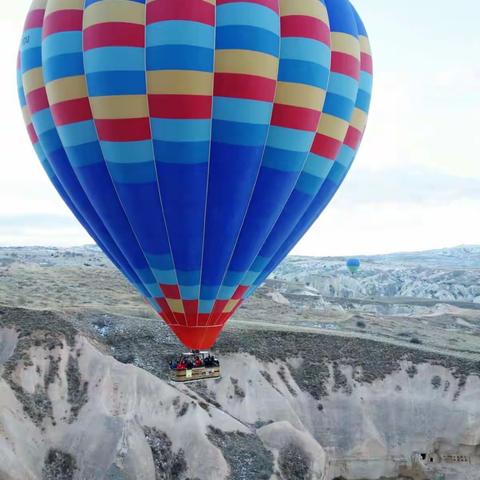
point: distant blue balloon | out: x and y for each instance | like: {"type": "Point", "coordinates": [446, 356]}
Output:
{"type": "Point", "coordinates": [353, 264]}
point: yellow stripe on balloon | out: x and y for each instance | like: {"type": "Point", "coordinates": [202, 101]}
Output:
{"type": "Point", "coordinates": [230, 306]}
{"type": "Point", "coordinates": [121, 106]}
{"type": "Point", "coordinates": [27, 117]}
{"type": "Point", "coordinates": [114, 11]}
{"type": "Point", "coordinates": [333, 127]}
{"type": "Point", "coordinates": [359, 119]}
{"type": "Point", "coordinates": [180, 82]}
{"type": "Point", "coordinates": [365, 45]}
{"type": "Point", "coordinates": [345, 43]}
{"type": "Point", "coordinates": [176, 306]}
{"type": "Point", "coordinates": [246, 62]}
{"type": "Point", "coordinates": [300, 95]}
{"type": "Point", "coordinates": [38, 5]}
{"type": "Point", "coordinates": [310, 8]}
{"type": "Point", "coordinates": [56, 5]}
{"type": "Point", "coordinates": [67, 88]}
{"type": "Point", "coordinates": [33, 80]}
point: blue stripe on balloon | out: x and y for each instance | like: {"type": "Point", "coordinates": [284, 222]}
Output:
{"type": "Point", "coordinates": [243, 37]}
{"type": "Point", "coordinates": [341, 17]}
{"type": "Point", "coordinates": [107, 59]}
{"type": "Point", "coordinates": [241, 110]}
{"type": "Point", "coordinates": [317, 165]}
{"type": "Point", "coordinates": [43, 122]}
{"type": "Point", "coordinates": [338, 106]}
{"type": "Point", "coordinates": [181, 130]}
{"type": "Point", "coordinates": [78, 133]}
{"type": "Point", "coordinates": [285, 160]}
{"type": "Point", "coordinates": [180, 32]}
{"type": "Point", "coordinates": [181, 152]}
{"type": "Point", "coordinates": [343, 85]}
{"type": "Point", "coordinates": [128, 152]}
{"type": "Point", "coordinates": [61, 66]}
{"type": "Point", "coordinates": [131, 172]}
{"type": "Point", "coordinates": [309, 184]}
{"type": "Point", "coordinates": [363, 100]}
{"type": "Point", "coordinates": [62, 43]}
{"type": "Point", "coordinates": [30, 59]}
{"type": "Point", "coordinates": [247, 13]}
{"type": "Point", "coordinates": [116, 83]}
{"type": "Point", "coordinates": [308, 73]}
{"type": "Point", "coordinates": [84, 154]}
{"type": "Point", "coordinates": [305, 49]}
{"type": "Point", "coordinates": [289, 139]}
{"type": "Point", "coordinates": [235, 133]}
{"type": "Point", "coordinates": [180, 57]}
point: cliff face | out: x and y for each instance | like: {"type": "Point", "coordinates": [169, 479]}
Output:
{"type": "Point", "coordinates": [288, 406]}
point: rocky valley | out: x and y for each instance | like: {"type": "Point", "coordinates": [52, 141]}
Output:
{"type": "Point", "coordinates": [316, 384]}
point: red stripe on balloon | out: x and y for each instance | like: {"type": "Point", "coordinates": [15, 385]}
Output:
{"type": "Point", "coordinates": [305, 27]}
{"type": "Point", "coordinates": [192, 10]}
{"type": "Point", "coordinates": [191, 308]}
{"type": "Point", "coordinates": [299, 118]}
{"type": "Point", "coordinates": [114, 34]}
{"type": "Point", "coordinates": [238, 85]}
{"type": "Point", "coordinates": [32, 133]}
{"type": "Point", "coordinates": [123, 130]}
{"type": "Point", "coordinates": [63, 21]}
{"type": "Point", "coordinates": [271, 4]}
{"type": "Point", "coordinates": [180, 106]}
{"type": "Point", "coordinates": [34, 19]}
{"type": "Point", "coordinates": [170, 291]}
{"type": "Point", "coordinates": [180, 318]}
{"type": "Point", "coordinates": [345, 64]}
{"type": "Point", "coordinates": [37, 100]}
{"type": "Point", "coordinates": [326, 146]}
{"type": "Point", "coordinates": [241, 289]}
{"type": "Point", "coordinates": [202, 318]}
{"type": "Point", "coordinates": [353, 138]}
{"type": "Point", "coordinates": [71, 111]}
{"type": "Point", "coordinates": [367, 63]}
{"type": "Point", "coordinates": [166, 311]}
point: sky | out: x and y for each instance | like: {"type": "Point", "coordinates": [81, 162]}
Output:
{"type": "Point", "coordinates": [415, 184]}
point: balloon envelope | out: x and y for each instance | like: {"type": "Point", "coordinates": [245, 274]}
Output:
{"type": "Point", "coordinates": [196, 141]}
{"type": "Point", "coordinates": [353, 264]}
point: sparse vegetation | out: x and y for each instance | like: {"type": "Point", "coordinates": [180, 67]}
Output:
{"type": "Point", "coordinates": [169, 465]}
{"type": "Point", "coordinates": [59, 466]}
{"type": "Point", "coordinates": [245, 453]}
{"type": "Point", "coordinates": [436, 382]}
{"type": "Point", "coordinates": [412, 370]}
{"type": "Point", "coordinates": [295, 463]}
{"type": "Point", "coordinates": [239, 392]}
{"type": "Point", "coordinates": [282, 373]}
{"type": "Point", "coordinates": [77, 389]}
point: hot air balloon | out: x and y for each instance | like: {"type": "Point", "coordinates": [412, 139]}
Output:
{"type": "Point", "coordinates": [195, 140]}
{"type": "Point", "coordinates": [353, 265]}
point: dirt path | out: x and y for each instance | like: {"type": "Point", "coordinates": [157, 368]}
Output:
{"type": "Point", "coordinates": [367, 336]}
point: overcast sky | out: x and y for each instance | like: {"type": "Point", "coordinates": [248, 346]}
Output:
{"type": "Point", "coordinates": [415, 184]}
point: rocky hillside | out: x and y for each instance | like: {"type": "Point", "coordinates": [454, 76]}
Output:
{"type": "Point", "coordinates": [74, 404]}
{"type": "Point", "coordinates": [446, 275]}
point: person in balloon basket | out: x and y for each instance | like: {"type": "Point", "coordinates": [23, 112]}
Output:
{"type": "Point", "coordinates": [198, 362]}
{"type": "Point", "coordinates": [181, 365]}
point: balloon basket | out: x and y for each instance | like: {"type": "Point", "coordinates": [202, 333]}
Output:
{"type": "Point", "coordinates": [209, 368]}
